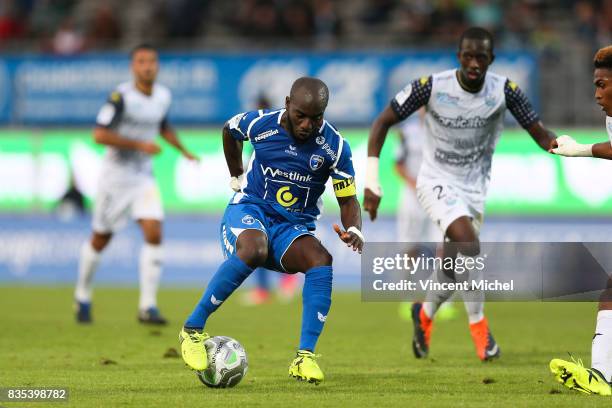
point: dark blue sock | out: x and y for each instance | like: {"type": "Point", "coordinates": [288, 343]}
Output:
{"type": "Point", "coordinates": [228, 277]}
{"type": "Point", "coordinates": [316, 301]}
{"type": "Point", "coordinates": [263, 278]}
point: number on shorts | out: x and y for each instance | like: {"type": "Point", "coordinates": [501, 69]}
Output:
{"type": "Point", "coordinates": [438, 188]}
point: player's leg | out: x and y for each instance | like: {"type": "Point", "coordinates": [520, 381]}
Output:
{"type": "Point", "coordinates": [109, 214]}
{"type": "Point", "coordinates": [306, 254]}
{"type": "Point", "coordinates": [245, 245]}
{"type": "Point", "coordinates": [150, 270]}
{"type": "Point", "coordinates": [601, 351]}
{"type": "Point", "coordinates": [89, 259]}
{"type": "Point", "coordinates": [147, 209]}
{"type": "Point", "coordinates": [598, 378]}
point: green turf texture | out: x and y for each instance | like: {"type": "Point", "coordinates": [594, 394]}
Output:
{"type": "Point", "coordinates": [365, 348]}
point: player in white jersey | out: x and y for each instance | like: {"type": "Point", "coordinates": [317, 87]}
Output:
{"type": "Point", "coordinates": [598, 378]}
{"type": "Point", "coordinates": [128, 123]}
{"type": "Point", "coordinates": [464, 120]}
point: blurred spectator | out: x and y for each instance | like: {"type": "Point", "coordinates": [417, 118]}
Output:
{"type": "Point", "coordinates": [297, 19]}
{"type": "Point", "coordinates": [184, 17]}
{"type": "Point", "coordinates": [484, 13]}
{"type": "Point", "coordinates": [259, 18]}
{"type": "Point", "coordinates": [448, 22]}
{"type": "Point", "coordinates": [48, 15]}
{"type": "Point", "coordinates": [378, 11]}
{"type": "Point", "coordinates": [414, 21]}
{"type": "Point", "coordinates": [12, 20]}
{"type": "Point", "coordinates": [604, 26]}
{"type": "Point", "coordinates": [67, 40]}
{"type": "Point", "coordinates": [104, 28]}
{"type": "Point", "coordinates": [327, 22]}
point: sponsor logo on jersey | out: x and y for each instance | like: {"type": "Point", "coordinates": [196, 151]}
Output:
{"type": "Point", "coordinates": [446, 99]}
{"type": "Point", "coordinates": [289, 175]}
{"type": "Point", "coordinates": [265, 135]}
{"type": "Point", "coordinates": [327, 148]}
{"type": "Point", "coordinates": [284, 197]}
{"type": "Point", "coordinates": [460, 122]}
{"type": "Point", "coordinates": [316, 162]}
{"type": "Point", "coordinates": [490, 100]}
{"type": "Point", "coordinates": [457, 159]}
{"type": "Point", "coordinates": [292, 150]}
{"type": "Point", "coordinates": [248, 220]}
{"type": "Point", "coordinates": [320, 140]}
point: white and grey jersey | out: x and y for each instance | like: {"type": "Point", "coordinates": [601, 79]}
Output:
{"type": "Point", "coordinates": [609, 127]}
{"type": "Point", "coordinates": [462, 128]}
{"type": "Point", "coordinates": [133, 115]}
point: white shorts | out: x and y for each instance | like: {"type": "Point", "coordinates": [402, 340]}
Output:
{"type": "Point", "coordinates": [445, 202]}
{"type": "Point", "coordinates": [115, 203]}
{"type": "Point", "coordinates": [413, 223]}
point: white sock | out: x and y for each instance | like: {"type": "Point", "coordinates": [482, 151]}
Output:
{"type": "Point", "coordinates": [435, 298]}
{"type": "Point", "coordinates": [88, 264]}
{"type": "Point", "coordinates": [150, 273]}
{"type": "Point", "coordinates": [473, 300]}
{"type": "Point", "coordinates": [601, 351]}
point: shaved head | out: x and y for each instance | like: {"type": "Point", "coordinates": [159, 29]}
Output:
{"type": "Point", "coordinates": [305, 107]}
{"type": "Point", "coordinates": [308, 91]}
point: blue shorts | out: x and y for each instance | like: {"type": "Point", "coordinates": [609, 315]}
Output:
{"type": "Point", "coordinates": [280, 232]}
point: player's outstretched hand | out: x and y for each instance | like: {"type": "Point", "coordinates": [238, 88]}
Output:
{"type": "Point", "coordinates": [150, 148]}
{"type": "Point", "coordinates": [566, 146]}
{"type": "Point", "coordinates": [371, 202]}
{"type": "Point", "coordinates": [351, 239]}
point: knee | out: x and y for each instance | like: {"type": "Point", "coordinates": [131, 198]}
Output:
{"type": "Point", "coordinates": [100, 241]}
{"type": "Point", "coordinates": [320, 258]}
{"type": "Point", "coordinates": [254, 254]}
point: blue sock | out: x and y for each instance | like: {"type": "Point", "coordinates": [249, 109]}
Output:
{"type": "Point", "coordinates": [228, 277]}
{"type": "Point", "coordinates": [316, 301]}
{"type": "Point", "coordinates": [263, 278]}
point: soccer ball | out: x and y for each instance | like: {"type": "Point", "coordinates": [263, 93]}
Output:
{"type": "Point", "coordinates": [227, 362]}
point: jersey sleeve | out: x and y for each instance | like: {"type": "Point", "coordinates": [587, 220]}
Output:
{"type": "Point", "coordinates": [412, 97]}
{"type": "Point", "coordinates": [240, 126]}
{"type": "Point", "coordinates": [519, 105]}
{"type": "Point", "coordinates": [111, 112]}
{"type": "Point", "coordinates": [343, 173]}
{"type": "Point", "coordinates": [401, 151]}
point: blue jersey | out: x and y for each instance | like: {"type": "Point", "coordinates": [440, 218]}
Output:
{"type": "Point", "coordinates": [288, 177]}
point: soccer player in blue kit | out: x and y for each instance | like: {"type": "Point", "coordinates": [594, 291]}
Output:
{"type": "Point", "coordinates": [270, 219]}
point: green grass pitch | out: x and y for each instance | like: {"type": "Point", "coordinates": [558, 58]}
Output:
{"type": "Point", "coordinates": [366, 354]}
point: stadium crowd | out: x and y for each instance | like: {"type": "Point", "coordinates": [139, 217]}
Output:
{"type": "Point", "coordinates": [73, 26]}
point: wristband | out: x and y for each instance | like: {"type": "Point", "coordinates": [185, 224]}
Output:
{"type": "Point", "coordinates": [356, 231]}
{"type": "Point", "coordinates": [371, 181]}
{"type": "Point", "coordinates": [236, 183]}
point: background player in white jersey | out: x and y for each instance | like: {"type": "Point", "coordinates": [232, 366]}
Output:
{"type": "Point", "coordinates": [128, 123]}
{"type": "Point", "coordinates": [464, 120]}
{"type": "Point", "coordinates": [597, 379]}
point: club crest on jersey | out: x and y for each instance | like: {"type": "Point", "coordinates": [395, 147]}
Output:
{"type": "Point", "coordinates": [248, 220]}
{"type": "Point", "coordinates": [320, 140]}
{"type": "Point", "coordinates": [316, 162]}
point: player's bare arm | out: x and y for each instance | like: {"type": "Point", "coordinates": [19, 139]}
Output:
{"type": "Point", "coordinates": [378, 133]}
{"type": "Point", "coordinates": [350, 214]}
{"type": "Point", "coordinates": [545, 138]}
{"type": "Point", "coordinates": [109, 137]}
{"type": "Point", "coordinates": [232, 149]}
{"type": "Point", "coordinates": [170, 136]}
